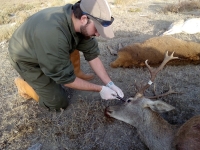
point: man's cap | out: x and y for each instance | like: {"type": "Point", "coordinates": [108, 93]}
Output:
{"type": "Point", "coordinates": [99, 9]}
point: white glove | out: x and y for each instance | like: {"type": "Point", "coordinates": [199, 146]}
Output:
{"type": "Point", "coordinates": [115, 88]}
{"type": "Point", "coordinates": [107, 93]}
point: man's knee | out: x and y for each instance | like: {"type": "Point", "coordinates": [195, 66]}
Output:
{"type": "Point", "coordinates": [53, 97]}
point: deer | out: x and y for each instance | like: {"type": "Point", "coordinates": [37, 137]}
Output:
{"type": "Point", "coordinates": [190, 26]}
{"type": "Point", "coordinates": [153, 49]}
{"type": "Point", "coordinates": [143, 113]}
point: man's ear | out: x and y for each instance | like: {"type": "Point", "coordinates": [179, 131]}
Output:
{"type": "Point", "coordinates": [84, 20]}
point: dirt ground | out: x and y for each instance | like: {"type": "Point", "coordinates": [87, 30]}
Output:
{"type": "Point", "coordinates": [23, 124]}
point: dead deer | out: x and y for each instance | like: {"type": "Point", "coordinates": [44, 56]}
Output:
{"type": "Point", "coordinates": [154, 49]}
{"type": "Point", "coordinates": [154, 131]}
{"type": "Point", "coordinates": [190, 26]}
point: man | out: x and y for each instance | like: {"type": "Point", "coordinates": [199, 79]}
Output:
{"type": "Point", "coordinates": [43, 50]}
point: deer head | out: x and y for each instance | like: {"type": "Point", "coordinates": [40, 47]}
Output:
{"type": "Point", "coordinates": [134, 110]}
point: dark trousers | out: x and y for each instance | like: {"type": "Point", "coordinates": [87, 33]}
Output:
{"type": "Point", "coordinates": [51, 95]}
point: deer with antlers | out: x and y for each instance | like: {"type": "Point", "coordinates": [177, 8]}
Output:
{"type": "Point", "coordinates": [154, 131]}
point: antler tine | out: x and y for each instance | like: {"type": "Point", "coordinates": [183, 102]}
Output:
{"type": "Point", "coordinates": [154, 72]}
{"type": "Point", "coordinates": [170, 91]}
{"type": "Point", "coordinates": [166, 60]}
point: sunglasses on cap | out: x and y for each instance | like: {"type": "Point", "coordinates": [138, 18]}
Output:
{"type": "Point", "coordinates": [104, 23]}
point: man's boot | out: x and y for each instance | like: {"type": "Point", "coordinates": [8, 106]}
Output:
{"type": "Point", "coordinates": [75, 59]}
{"type": "Point", "coordinates": [25, 90]}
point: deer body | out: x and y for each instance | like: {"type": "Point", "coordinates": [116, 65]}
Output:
{"type": "Point", "coordinates": [155, 132]}
{"type": "Point", "coordinates": [154, 49]}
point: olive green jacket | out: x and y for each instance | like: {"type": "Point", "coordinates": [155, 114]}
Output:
{"type": "Point", "coordinates": [46, 39]}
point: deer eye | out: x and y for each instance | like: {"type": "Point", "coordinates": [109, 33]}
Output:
{"type": "Point", "coordinates": [128, 101]}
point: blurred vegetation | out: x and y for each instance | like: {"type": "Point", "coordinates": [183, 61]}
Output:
{"type": "Point", "coordinates": [187, 5]}
{"type": "Point", "coordinates": [15, 12]}
{"type": "Point", "coordinates": [134, 10]}
{"type": "Point", "coordinates": [123, 2]}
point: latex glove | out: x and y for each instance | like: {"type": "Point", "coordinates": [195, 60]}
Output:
{"type": "Point", "coordinates": [115, 88]}
{"type": "Point", "coordinates": [107, 93]}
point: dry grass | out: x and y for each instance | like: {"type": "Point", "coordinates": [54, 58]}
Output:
{"type": "Point", "coordinates": [134, 10]}
{"type": "Point", "coordinates": [13, 13]}
{"type": "Point", "coordinates": [183, 6]}
{"type": "Point", "coordinates": [126, 6]}
{"type": "Point", "coordinates": [8, 13]}
{"type": "Point", "coordinates": [83, 124]}
{"type": "Point", "coordinates": [123, 2]}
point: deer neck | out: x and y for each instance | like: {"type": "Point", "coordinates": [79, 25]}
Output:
{"type": "Point", "coordinates": [155, 132]}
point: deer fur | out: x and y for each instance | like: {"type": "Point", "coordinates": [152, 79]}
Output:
{"type": "Point", "coordinates": [154, 131]}
{"type": "Point", "coordinates": [190, 26]}
{"type": "Point", "coordinates": [154, 49]}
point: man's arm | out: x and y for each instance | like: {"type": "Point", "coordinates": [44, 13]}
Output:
{"type": "Point", "coordinates": [109, 92]}
{"type": "Point", "coordinates": [105, 92]}
{"type": "Point", "coordinates": [99, 69]}
{"type": "Point", "coordinates": [81, 84]}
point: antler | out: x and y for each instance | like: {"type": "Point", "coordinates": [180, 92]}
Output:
{"type": "Point", "coordinates": [170, 91]}
{"type": "Point", "coordinates": [154, 72]}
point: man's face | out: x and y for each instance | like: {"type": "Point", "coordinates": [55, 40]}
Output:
{"type": "Point", "coordinates": [89, 29]}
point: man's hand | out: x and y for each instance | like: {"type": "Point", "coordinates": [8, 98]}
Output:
{"type": "Point", "coordinates": [107, 93]}
{"type": "Point", "coordinates": [115, 88]}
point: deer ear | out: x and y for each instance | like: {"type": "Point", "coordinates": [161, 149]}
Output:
{"type": "Point", "coordinates": [159, 106]}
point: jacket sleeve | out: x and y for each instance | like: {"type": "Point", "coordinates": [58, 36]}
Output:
{"type": "Point", "coordinates": [89, 48]}
{"type": "Point", "coordinates": [52, 50]}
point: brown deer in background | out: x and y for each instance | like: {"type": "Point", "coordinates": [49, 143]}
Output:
{"type": "Point", "coordinates": [154, 131]}
{"type": "Point", "coordinates": [154, 49]}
